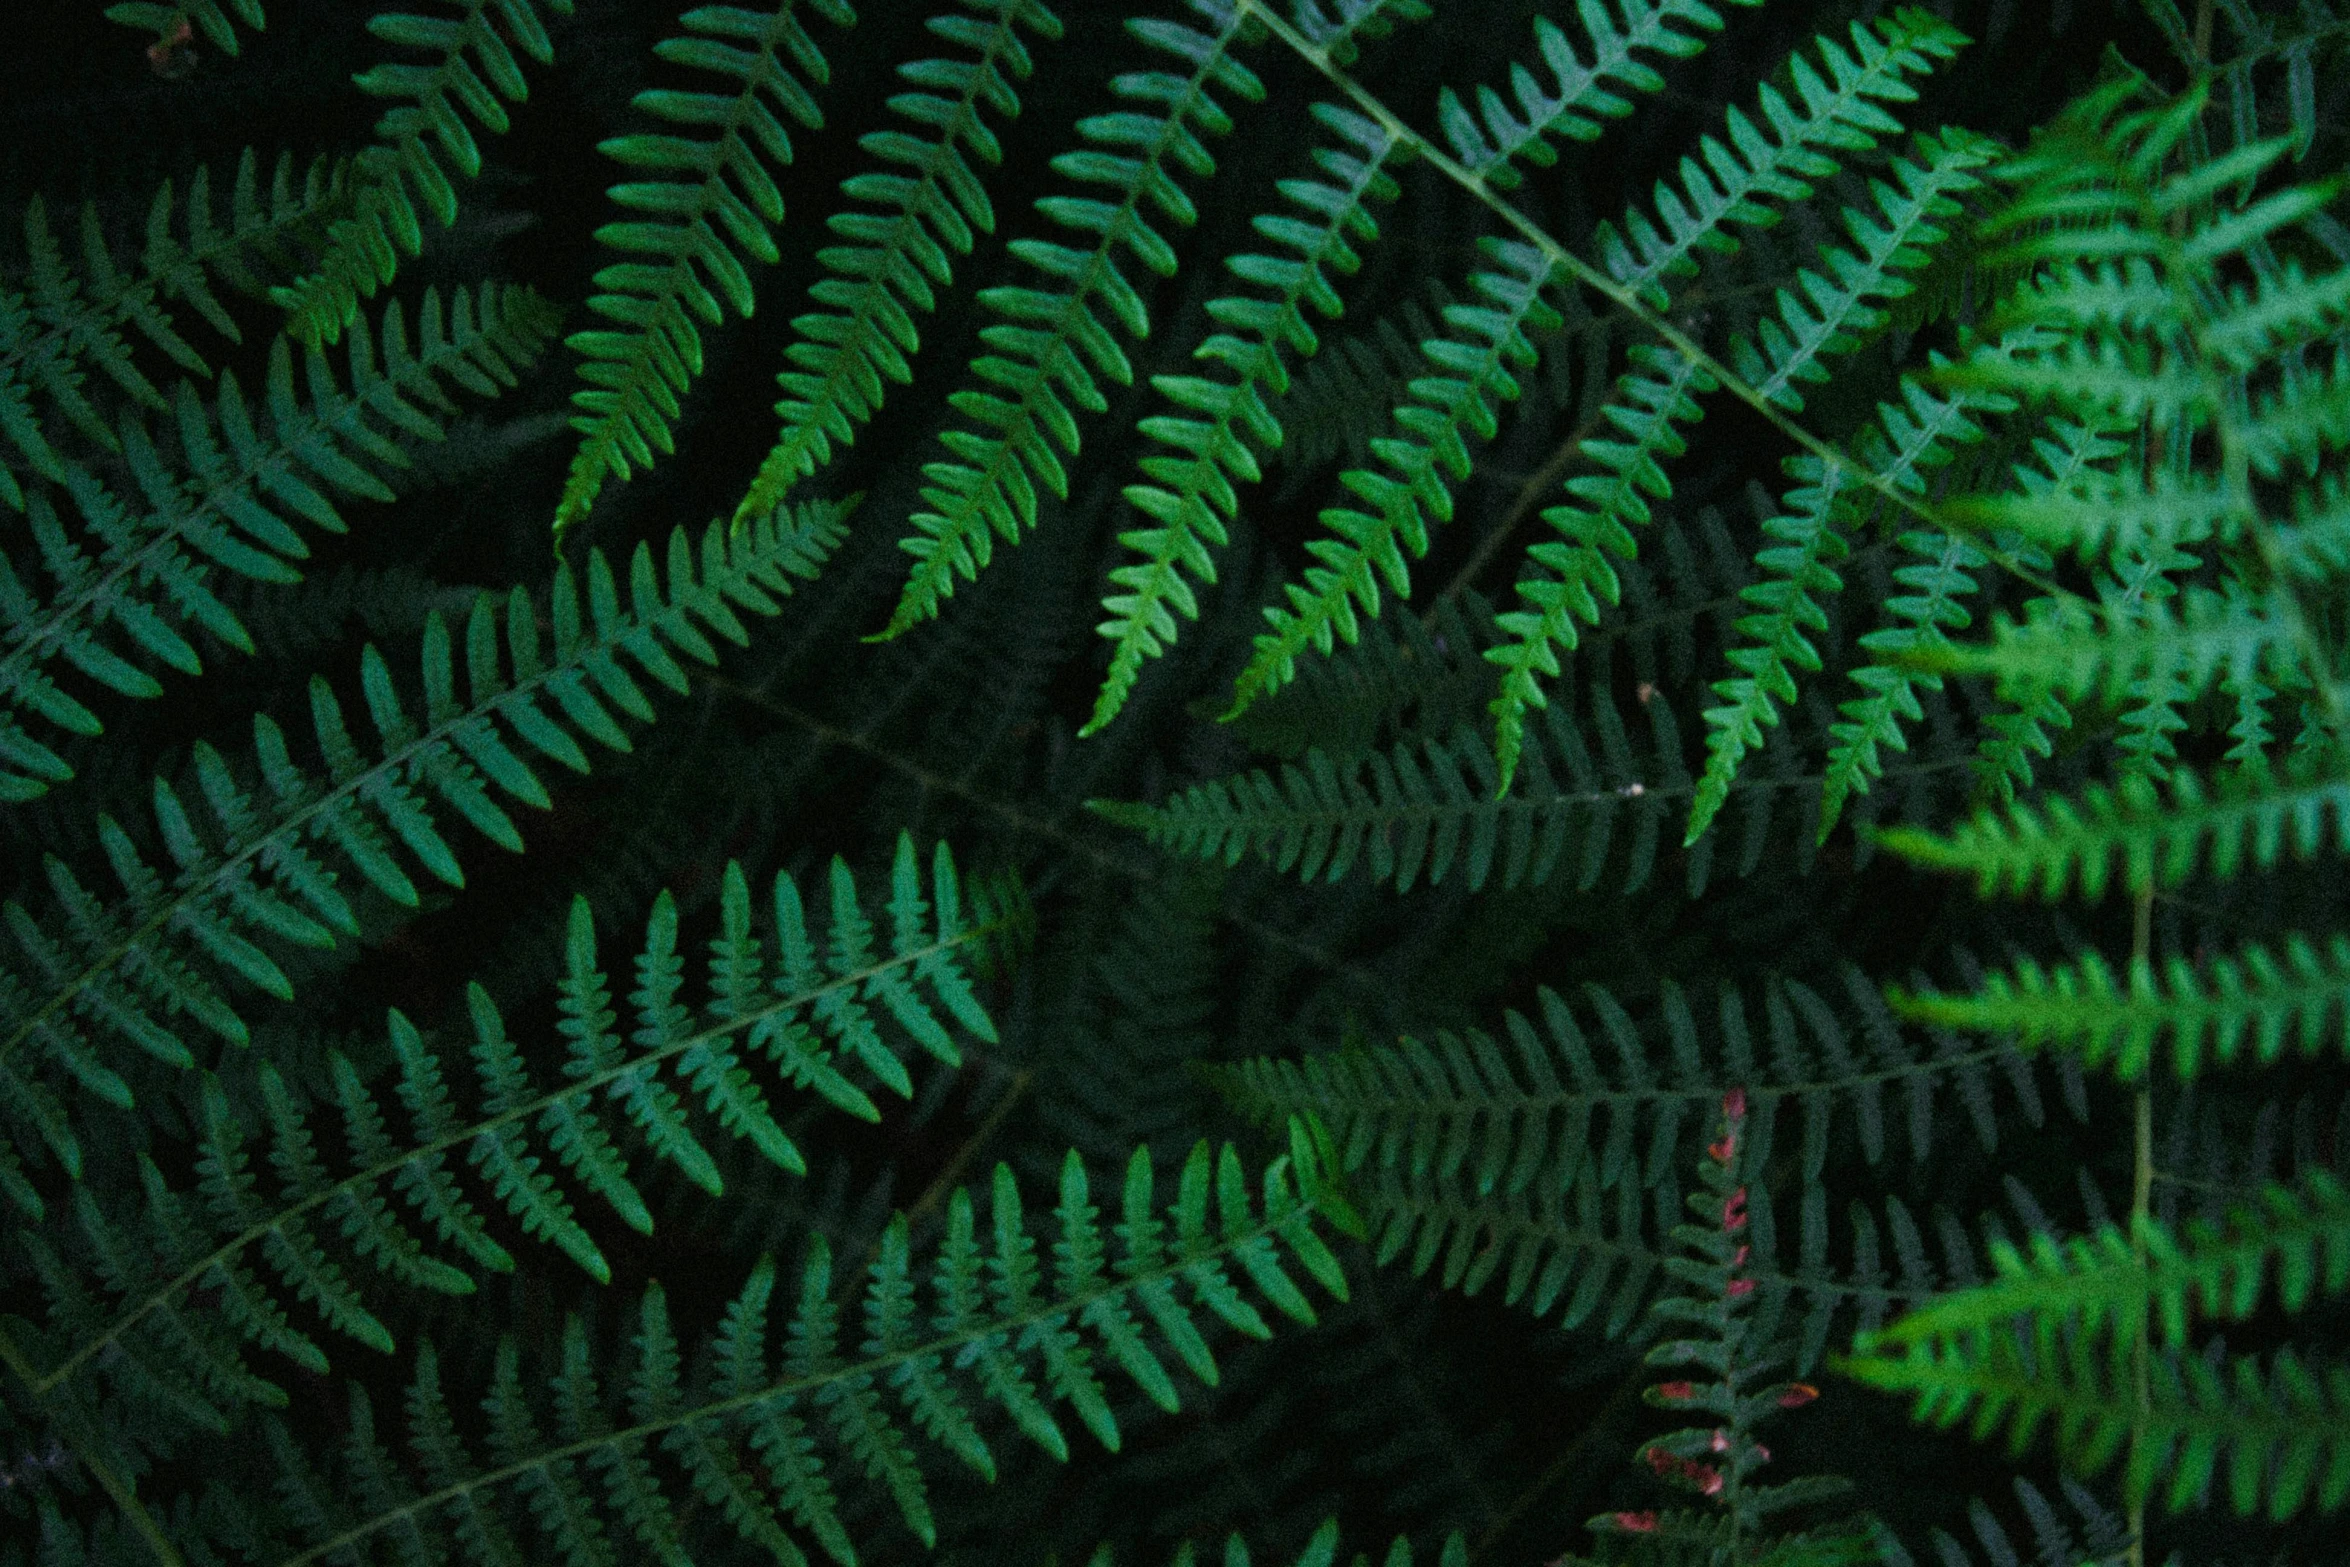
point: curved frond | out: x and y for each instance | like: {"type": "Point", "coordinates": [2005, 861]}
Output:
{"type": "Point", "coordinates": [709, 202]}
{"type": "Point", "coordinates": [1048, 336]}
{"type": "Point", "coordinates": [472, 77]}
{"type": "Point", "coordinates": [226, 500]}
{"type": "Point", "coordinates": [533, 1148]}
{"type": "Point", "coordinates": [899, 258]}
{"type": "Point", "coordinates": [872, 1383]}
{"type": "Point", "coordinates": [98, 975]}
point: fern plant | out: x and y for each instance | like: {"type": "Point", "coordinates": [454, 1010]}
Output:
{"type": "Point", "coordinates": [1546, 531]}
{"type": "Point", "coordinates": [2147, 333]}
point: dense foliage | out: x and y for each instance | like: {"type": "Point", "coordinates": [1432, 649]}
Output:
{"type": "Point", "coordinates": [1474, 780]}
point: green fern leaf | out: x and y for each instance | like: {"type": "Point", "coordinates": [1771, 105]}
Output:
{"type": "Point", "coordinates": [1003, 1333]}
{"type": "Point", "coordinates": [1049, 335]}
{"type": "Point", "coordinates": [249, 476]}
{"type": "Point", "coordinates": [122, 972]}
{"type": "Point", "coordinates": [867, 335]}
{"type": "Point", "coordinates": [709, 202]}
{"type": "Point", "coordinates": [473, 77]}
{"type": "Point", "coordinates": [1194, 487]}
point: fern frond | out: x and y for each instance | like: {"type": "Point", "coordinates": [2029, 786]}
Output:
{"type": "Point", "coordinates": [2073, 649]}
{"type": "Point", "coordinates": [473, 76]}
{"type": "Point", "coordinates": [993, 1327]}
{"type": "Point", "coordinates": [845, 352]}
{"type": "Point", "coordinates": [1571, 579]}
{"type": "Point", "coordinates": [1548, 1163]}
{"type": "Point", "coordinates": [2283, 1431]}
{"type": "Point", "coordinates": [809, 1019]}
{"type": "Point", "coordinates": [2207, 1010]}
{"type": "Point", "coordinates": [1586, 94]}
{"type": "Point", "coordinates": [247, 478]}
{"type": "Point", "coordinates": [709, 202]}
{"type": "Point", "coordinates": [1475, 360]}
{"type": "Point", "coordinates": [1425, 809]}
{"type": "Point", "coordinates": [1049, 335]}
{"type": "Point", "coordinates": [1730, 184]}
{"type": "Point", "coordinates": [1917, 437]}
{"type": "Point", "coordinates": [1487, 342]}
{"type": "Point", "coordinates": [65, 319]}
{"type": "Point", "coordinates": [1194, 492]}
{"type": "Point", "coordinates": [1873, 723]}
{"type": "Point", "coordinates": [2248, 816]}
{"type": "Point", "coordinates": [2110, 1282]}
{"type": "Point", "coordinates": [124, 972]}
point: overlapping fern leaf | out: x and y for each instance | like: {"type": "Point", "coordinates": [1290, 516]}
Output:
{"type": "Point", "coordinates": [473, 76]}
{"type": "Point", "coordinates": [633, 1441]}
{"type": "Point", "coordinates": [1052, 342]}
{"type": "Point", "coordinates": [1574, 575]}
{"type": "Point", "coordinates": [222, 497]}
{"type": "Point", "coordinates": [1486, 343]}
{"type": "Point", "coordinates": [898, 260]}
{"type": "Point", "coordinates": [62, 321]}
{"type": "Point", "coordinates": [2181, 329]}
{"type": "Point", "coordinates": [1546, 1165]}
{"type": "Point", "coordinates": [2147, 331]}
{"type": "Point", "coordinates": [1195, 497]}
{"type": "Point", "coordinates": [265, 856]}
{"type": "Point", "coordinates": [709, 202]}
{"type": "Point", "coordinates": [823, 1003]}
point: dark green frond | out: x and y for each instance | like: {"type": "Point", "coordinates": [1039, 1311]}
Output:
{"type": "Point", "coordinates": [260, 860]}
{"type": "Point", "coordinates": [871, 1384]}
{"type": "Point", "coordinates": [67, 320]}
{"type": "Point", "coordinates": [532, 1147]}
{"type": "Point", "coordinates": [222, 497]}
{"type": "Point", "coordinates": [1547, 1164]}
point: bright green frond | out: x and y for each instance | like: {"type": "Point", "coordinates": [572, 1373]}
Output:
{"type": "Point", "coordinates": [472, 76]}
{"type": "Point", "coordinates": [897, 260]}
{"type": "Point", "coordinates": [2151, 836]}
{"type": "Point", "coordinates": [2277, 1438]}
{"type": "Point", "coordinates": [1193, 490]}
{"type": "Point", "coordinates": [1051, 342]}
{"type": "Point", "coordinates": [708, 205]}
